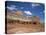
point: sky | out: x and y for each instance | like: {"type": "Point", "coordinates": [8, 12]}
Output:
{"type": "Point", "coordinates": [29, 8]}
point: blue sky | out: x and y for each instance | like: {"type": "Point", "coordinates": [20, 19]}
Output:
{"type": "Point", "coordinates": [29, 8]}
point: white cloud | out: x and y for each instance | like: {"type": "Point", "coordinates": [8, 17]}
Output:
{"type": "Point", "coordinates": [11, 8]}
{"type": "Point", "coordinates": [35, 4]}
{"type": "Point", "coordinates": [28, 12]}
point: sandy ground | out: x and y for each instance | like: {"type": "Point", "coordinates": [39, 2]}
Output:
{"type": "Point", "coordinates": [23, 28]}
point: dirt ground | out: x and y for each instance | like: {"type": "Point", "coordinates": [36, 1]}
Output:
{"type": "Point", "coordinates": [23, 28]}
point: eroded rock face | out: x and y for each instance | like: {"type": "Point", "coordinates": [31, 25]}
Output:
{"type": "Point", "coordinates": [18, 13]}
{"type": "Point", "coordinates": [20, 24]}
{"type": "Point", "coordinates": [23, 28]}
